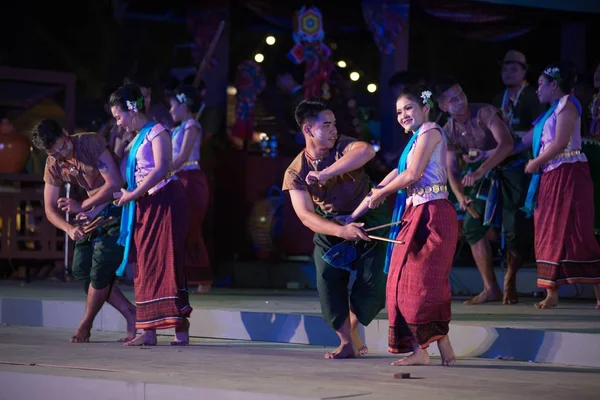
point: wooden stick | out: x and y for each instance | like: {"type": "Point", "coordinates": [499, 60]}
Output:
{"type": "Point", "coordinates": [386, 239]}
{"type": "Point", "coordinates": [208, 55]}
{"type": "Point", "coordinates": [383, 226]}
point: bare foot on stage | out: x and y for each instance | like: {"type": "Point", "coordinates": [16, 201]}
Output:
{"type": "Point", "coordinates": [360, 349]}
{"type": "Point", "coordinates": [82, 334]}
{"type": "Point", "coordinates": [485, 297]}
{"type": "Point", "coordinates": [447, 352]}
{"type": "Point", "coordinates": [131, 331]}
{"type": "Point", "coordinates": [148, 338]}
{"type": "Point", "coordinates": [597, 290]}
{"type": "Point", "coordinates": [203, 289]}
{"type": "Point", "coordinates": [345, 350]}
{"type": "Point", "coordinates": [419, 357]}
{"type": "Point", "coordinates": [546, 303]}
{"type": "Point", "coordinates": [510, 293]}
{"type": "Point", "coordinates": [550, 301]}
{"type": "Point", "coordinates": [182, 334]}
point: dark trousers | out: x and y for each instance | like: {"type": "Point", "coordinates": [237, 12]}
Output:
{"type": "Point", "coordinates": [367, 296]}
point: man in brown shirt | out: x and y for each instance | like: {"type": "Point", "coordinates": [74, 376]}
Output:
{"type": "Point", "coordinates": [85, 160]}
{"type": "Point", "coordinates": [478, 136]}
{"type": "Point", "coordinates": [326, 180]}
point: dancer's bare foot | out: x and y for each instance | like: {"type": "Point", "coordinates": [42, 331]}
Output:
{"type": "Point", "coordinates": [131, 331]}
{"type": "Point", "coordinates": [485, 297]}
{"type": "Point", "coordinates": [148, 338]}
{"type": "Point", "coordinates": [418, 357]}
{"type": "Point", "coordinates": [360, 349]}
{"type": "Point", "coordinates": [510, 295]}
{"type": "Point", "coordinates": [203, 289]}
{"type": "Point", "coordinates": [182, 334]}
{"type": "Point", "coordinates": [345, 350]}
{"type": "Point", "coordinates": [597, 290]}
{"type": "Point", "coordinates": [446, 351]}
{"type": "Point", "coordinates": [550, 301]}
{"type": "Point", "coordinates": [82, 334]}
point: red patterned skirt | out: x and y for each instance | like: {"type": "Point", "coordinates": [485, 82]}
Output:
{"type": "Point", "coordinates": [566, 249]}
{"type": "Point", "coordinates": [418, 288]}
{"type": "Point", "coordinates": [160, 286]}
{"type": "Point", "coordinates": [197, 263]}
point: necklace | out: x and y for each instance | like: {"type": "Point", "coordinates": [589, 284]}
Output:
{"type": "Point", "coordinates": [509, 109]}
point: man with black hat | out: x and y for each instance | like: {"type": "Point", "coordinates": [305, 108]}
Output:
{"type": "Point", "coordinates": [518, 103]}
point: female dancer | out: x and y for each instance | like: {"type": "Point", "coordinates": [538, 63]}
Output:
{"type": "Point", "coordinates": [186, 139]}
{"type": "Point", "coordinates": [418, 290]}
{"type": "Point", "coordinates": [561, 193]}
{"type": "Point", "coordinates": [153, 222]}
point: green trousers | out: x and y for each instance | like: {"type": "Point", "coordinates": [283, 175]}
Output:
{"type": "Point", "coordinates": [97, 256]}
{"type": "Point", "coordinates": [367, 296]}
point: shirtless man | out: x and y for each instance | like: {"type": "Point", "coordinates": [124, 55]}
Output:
{"type": "Point", "coordinates": [326, 180]}
{"type": "Point", "coordinates": [478, 134]}
{"type": "Point", "coordinates": [84, 160]}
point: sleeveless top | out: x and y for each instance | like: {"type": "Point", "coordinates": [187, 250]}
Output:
{"type": "Point", "coordinates": [435, 171]}
{"type": "Point", "coordinates": [177, 135]}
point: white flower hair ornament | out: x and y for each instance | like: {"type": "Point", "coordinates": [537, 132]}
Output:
{"type": "Point", "coordinates": [135, 106]}
{"type": "Point", "coordinates": [131, 106]}
{"type": "Point", "coordinates": [553, 73]}
{"type": "Point", "coordinates": [426, 96]}
{"type": "Point", "coordinates": [181, 98]}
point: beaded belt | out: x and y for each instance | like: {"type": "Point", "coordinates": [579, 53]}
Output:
{"type": "Point", "coordinates": [420, 191]}
{"type": "Point", "coordinates": [190, 163]}
{"type": "Point", "coordinates": [567, 154]}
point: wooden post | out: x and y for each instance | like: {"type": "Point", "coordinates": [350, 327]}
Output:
{"type": "Point", "coordinates": [390, 64]}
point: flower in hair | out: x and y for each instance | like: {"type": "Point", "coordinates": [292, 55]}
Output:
{"type": "Point", "coordinates": [553, 73]}
{"type": "Point", "coordinates": [135, 106]}
{"type": "Point", "coordinates": [131, 106]}
{"type": "Point", "coordinates": [181, 98]}
{"type": "Point", "coordinates": [426, 96]}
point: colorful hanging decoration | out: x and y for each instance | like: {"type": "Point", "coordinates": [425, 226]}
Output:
{"type": "Point", "coordinates": [249, 83]}
{"type": "Point", "coordinates": [310, 49]}
{"type": "Point", "coordinates": [385, 21]}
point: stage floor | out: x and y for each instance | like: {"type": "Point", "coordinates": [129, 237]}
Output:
{"type": "Point", "coordinates": [40, 363]}
{"type": "Point", "coordinates": [571, 316]}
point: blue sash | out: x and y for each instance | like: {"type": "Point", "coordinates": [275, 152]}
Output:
{"type": "Point", "coordinates": [128, 212]}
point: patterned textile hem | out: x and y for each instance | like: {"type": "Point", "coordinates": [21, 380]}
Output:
{"type": "Point", "coordinates": [421, 334]}
{"type": "Point", "coordinates": [551, 276]}
{"type": "Point", "coordinates": [164, 323]}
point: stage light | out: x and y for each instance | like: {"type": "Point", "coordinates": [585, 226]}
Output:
{"type": "Point", "coordinates": [372, 88]}
{"type": "Point", "coordinates": [231, 90]}
{"type": "Point", "coordinates": [342, 64]}
{"type": "Point", "coordinates": [270, 40]}
{"type": "Point", "coordinates": [259, 58]}
{"type": "Point", "coordinates": [354, 76]}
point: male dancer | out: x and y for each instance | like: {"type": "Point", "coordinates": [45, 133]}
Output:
{"type": "Point", "coordinates": [328, 174]}
{"type": "Point", "coordinates": [84, 159]}
{"type": "Point", "coordinates": [478, 134]}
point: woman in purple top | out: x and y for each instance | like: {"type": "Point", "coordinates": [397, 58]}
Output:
{"type": "Point", "coordinates": [418, 290]}
{"type": "Point", "coordinates": [153, 222]}
{"type": "Point", "coordinates": [187, 139]}
{"type": "Point", "coordinates": [561, 193]}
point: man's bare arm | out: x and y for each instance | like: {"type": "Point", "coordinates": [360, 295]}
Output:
{"type": "Point", "coordinates": [54, 215]}
{"type": "Point", "coordinates": [305, 210]}
{"type": "Point", "coordinates": [359, 153]}
{"type": "Point", "coordinates": [113, 182]}
{"type": "Point", "coordinates": [503, 148]}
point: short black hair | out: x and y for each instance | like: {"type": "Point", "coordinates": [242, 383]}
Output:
{"type": "Point", "coordinates": [442, 84]}
{"type": "Point", "coordinates": [309, 109]}
{"type": "Point", "coordinates": [46, 133]}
